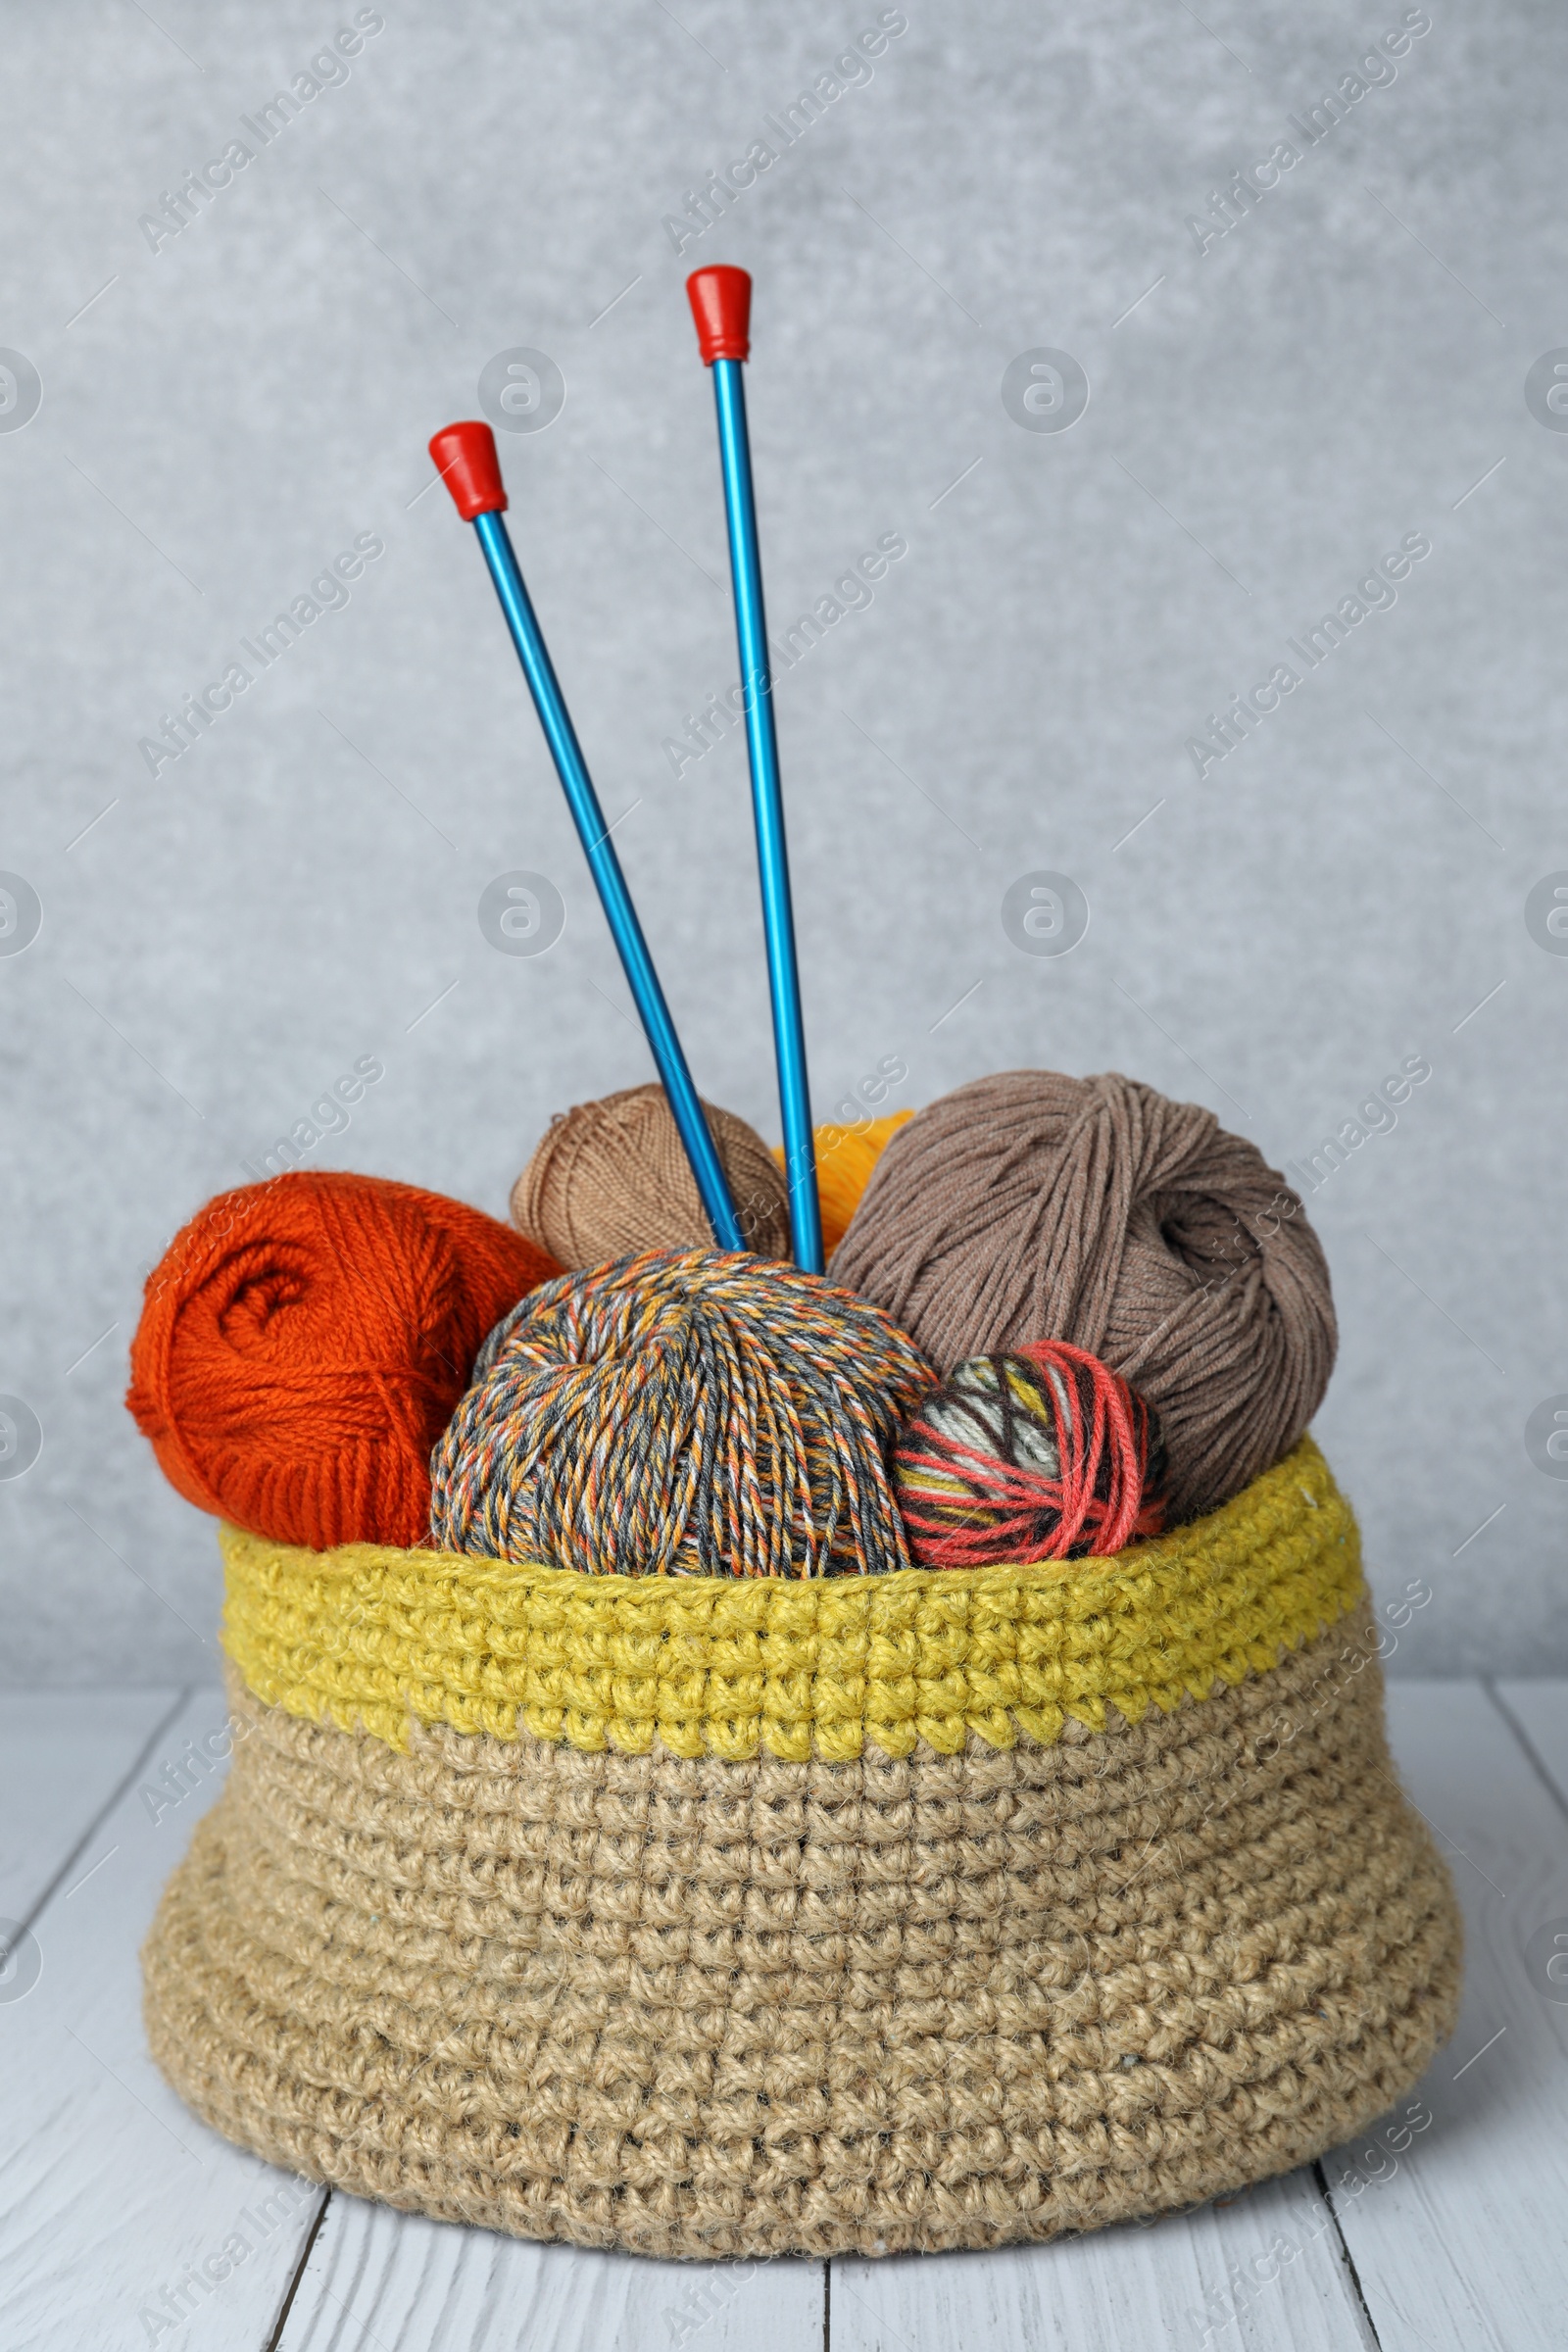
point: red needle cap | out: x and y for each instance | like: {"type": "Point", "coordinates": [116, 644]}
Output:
{"type": "Point", "coordinates": [721, 305]}
{"type": "Point", "coordinates": [466, 461]}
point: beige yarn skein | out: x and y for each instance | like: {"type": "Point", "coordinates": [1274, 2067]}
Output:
{"type": "Point", "coordinates": [610, 1178]}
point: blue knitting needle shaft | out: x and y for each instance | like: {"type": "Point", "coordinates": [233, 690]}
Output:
{"type": "Point", "coordinates": [773, 855]}
{"type": "Point", "coordinates": [604, 865]}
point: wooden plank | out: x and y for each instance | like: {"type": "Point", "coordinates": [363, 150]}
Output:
{"type": "Point", "coordinates": [123, 2222]}
{"type": "Point", "coordinates": [403, 2285]}
{"type": "Point", "coordinates": [1262, 2269]}
{"type": "Point", "coordinates": [1539, 1713]}
{"type": "Point", "coordinates": [63, 1755]}
{"type": "Point", "coordinates": [1458, 2238]}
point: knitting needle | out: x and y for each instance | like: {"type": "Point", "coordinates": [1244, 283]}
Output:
{"type": "Point", "coordinates": [721, 305]}
{"type": "Point", "coordinates": [465, 457]}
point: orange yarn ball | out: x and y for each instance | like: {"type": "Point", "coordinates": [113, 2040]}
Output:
{"type": "Point", "coordinates": [302, 1344]}
{"type": "Point", "coordinates": [845, 1158]}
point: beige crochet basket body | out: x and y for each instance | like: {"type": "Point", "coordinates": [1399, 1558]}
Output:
{"type": "Point", "coordinates": [706, 1919]}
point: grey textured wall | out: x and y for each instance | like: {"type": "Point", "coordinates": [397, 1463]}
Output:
{"type": "Point", "coordinates": [1271, 411]}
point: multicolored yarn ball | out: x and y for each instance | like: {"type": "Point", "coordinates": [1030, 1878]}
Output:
{"type": "Point", "coordinates": [683, 1413]}
{"type": "Point", "coordinates": [1040, 1454]}
{"type": "Point", "coordinates": [610, 1178]}
{"type": "Point", "coordinates": [302, 1344]}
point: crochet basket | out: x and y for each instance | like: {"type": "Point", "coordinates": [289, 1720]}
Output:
{"type": "Point", "coordinates": [708, 1919]}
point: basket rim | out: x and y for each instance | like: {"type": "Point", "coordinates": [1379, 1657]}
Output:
{"type": "Point", "coordinates": [377, 1640]}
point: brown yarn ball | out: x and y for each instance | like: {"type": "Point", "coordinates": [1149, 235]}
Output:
{"type": "Point", "coordinates": [1033, 1207]}
{"type": "Point", "coordinates": [611, 1179]}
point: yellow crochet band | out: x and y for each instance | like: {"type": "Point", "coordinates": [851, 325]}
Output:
{"type": "Point", "coordinates": [367, 1637]}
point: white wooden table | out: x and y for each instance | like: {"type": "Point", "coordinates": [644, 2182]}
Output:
{"type": "Point", "coordinates": [123, 2222]}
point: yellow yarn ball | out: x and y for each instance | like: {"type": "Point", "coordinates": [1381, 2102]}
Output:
{"type": "Point", "coordinates": [845, 1158]}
